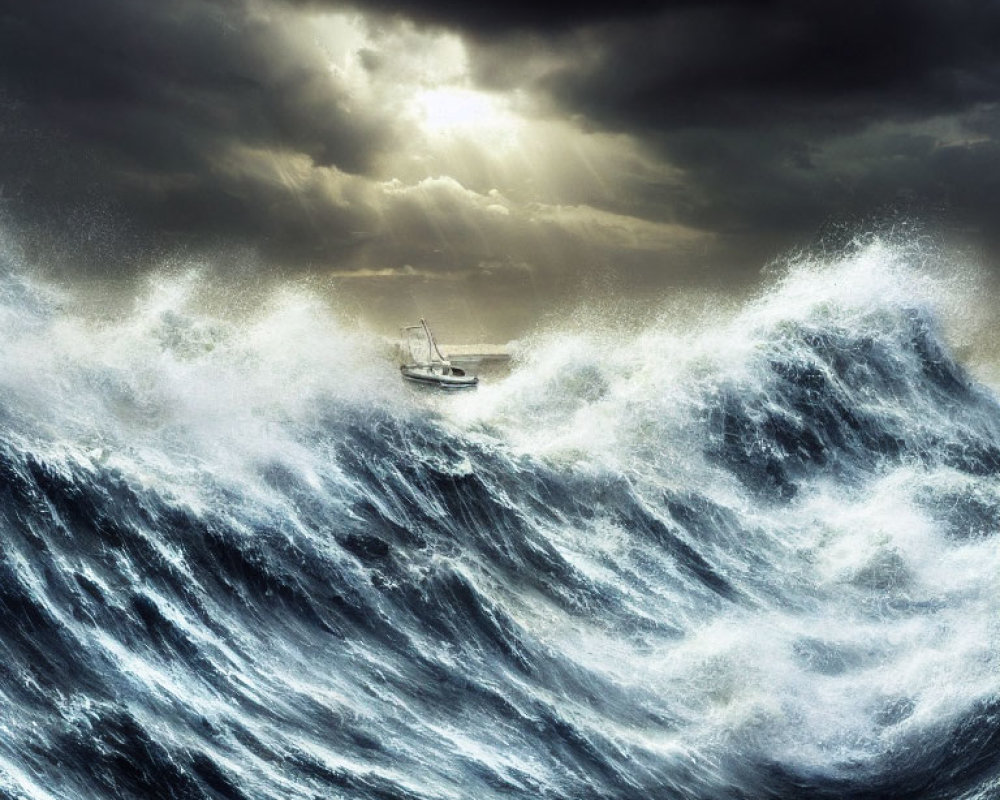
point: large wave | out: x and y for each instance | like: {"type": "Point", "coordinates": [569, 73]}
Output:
{"type": "Point", "coordinates": [754, 557]}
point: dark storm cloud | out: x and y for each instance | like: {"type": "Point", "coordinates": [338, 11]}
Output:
{"type": "Point", "coordinates": [147, 106]}
{"type": "Point", "coordinates": [823, 65]}
{"type": "Point", "coordinates": [487, 19]}
{"type": "Point", "coordinates": [160, 81]}
{"type": "Point", "coordinates": [746, 99]}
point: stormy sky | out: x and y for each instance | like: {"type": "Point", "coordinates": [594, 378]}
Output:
{"type": "Point", "coordinates": [404, 151]}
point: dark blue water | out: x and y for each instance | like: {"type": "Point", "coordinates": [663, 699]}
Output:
{"type": "Point", "coordinates": [755, 559]}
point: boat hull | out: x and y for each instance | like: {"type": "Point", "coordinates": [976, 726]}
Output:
{"type": "Point", "coordinates": [429, 377]}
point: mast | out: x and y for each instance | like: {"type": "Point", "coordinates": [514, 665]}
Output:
{"type": "Point", "coordinates": [431, 343]}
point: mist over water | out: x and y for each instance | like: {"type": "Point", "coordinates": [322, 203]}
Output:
{"type": "Point", "coordinates": [752, 556]}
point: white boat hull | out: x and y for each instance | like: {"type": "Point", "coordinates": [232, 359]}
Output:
{"type": "Point", "coordinates": [437, 375]}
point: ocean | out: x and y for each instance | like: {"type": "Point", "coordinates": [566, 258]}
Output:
{"type": "Point", "coordinates": [749, 556]}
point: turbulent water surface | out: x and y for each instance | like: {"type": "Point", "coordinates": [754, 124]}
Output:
{"type": "Point", "coordinates": [755, 559]}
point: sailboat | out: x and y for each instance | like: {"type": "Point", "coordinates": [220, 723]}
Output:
{"type": "Point", "coordinates": [432, 368]}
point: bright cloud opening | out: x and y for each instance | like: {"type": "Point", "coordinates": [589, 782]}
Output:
{"type": "Point", "coordinates": [455, 112]}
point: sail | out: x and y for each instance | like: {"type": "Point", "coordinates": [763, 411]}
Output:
{"type": "Point", "coordinates": [419, 345]}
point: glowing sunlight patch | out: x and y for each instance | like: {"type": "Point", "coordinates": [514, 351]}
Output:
{"type": "Point", "coordinates": [458, 112]}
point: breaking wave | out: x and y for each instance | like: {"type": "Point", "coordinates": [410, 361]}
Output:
{"type": "Point", "coordinates": [752, 558]}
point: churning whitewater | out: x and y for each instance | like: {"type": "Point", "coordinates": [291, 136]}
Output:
{"type": "Point", "coordinates": [754, 559]}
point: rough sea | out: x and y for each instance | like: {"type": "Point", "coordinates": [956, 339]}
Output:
{"type": "Point", "coordinates": [751, 556]}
